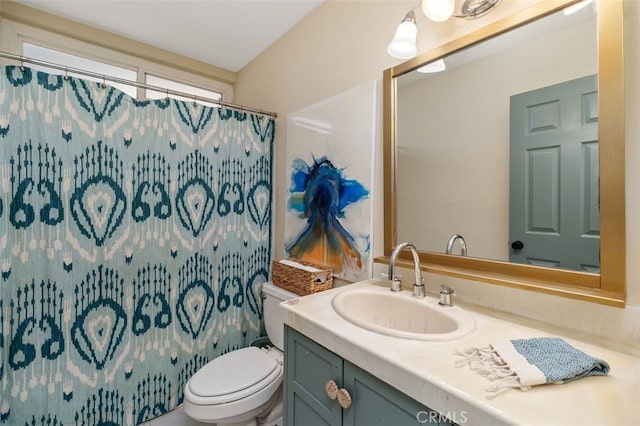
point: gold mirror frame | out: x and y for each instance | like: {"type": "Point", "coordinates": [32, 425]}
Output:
{"type": "Point", "coordinates": [608, 287]}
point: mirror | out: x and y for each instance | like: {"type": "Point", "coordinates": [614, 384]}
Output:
{"type": "Point", "coordinates": [433, 147]}
{"type": "Point", "coordinates": [447, 162]}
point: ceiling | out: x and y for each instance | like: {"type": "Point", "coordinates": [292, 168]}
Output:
{"type": "Point", "coordinates": [226, 33]}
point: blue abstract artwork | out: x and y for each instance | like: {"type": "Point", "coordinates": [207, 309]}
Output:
{"type": "Point", "coordinates": [329, 152]}
{"type": "Point", "coordinates": [320, 192]}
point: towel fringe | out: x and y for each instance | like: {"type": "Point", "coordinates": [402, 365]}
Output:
{"type": "Point", "coordinates": [488, 363]}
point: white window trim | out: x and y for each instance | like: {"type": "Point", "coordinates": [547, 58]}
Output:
{"type": "Point", "coordinates": [13, 34]}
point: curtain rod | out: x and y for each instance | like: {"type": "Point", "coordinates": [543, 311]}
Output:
{"type": "Point", "coordinates": [24, 59]}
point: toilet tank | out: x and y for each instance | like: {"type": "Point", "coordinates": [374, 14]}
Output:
{"type": "Point", "coordinates": [273, 313]}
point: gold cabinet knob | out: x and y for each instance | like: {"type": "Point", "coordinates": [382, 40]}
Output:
{"type": "Point", "coordinates": [344, 399]}
{"type": "Point", "coordinates": [332, 389]}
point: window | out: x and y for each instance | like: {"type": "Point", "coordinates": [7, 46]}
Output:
{"type": "Point", "coordinates": [154, 80]}
{"type": "Point", "coordinates": [81, 63]}
{"type": "Point", "coordinates": [36, 42]}
{"type": "Point", "coordinates": [73, 61]}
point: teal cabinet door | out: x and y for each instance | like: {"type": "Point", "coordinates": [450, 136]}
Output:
{"type": "Point", "coordinates": [375, 403]}
{"type": "Point", "coordinates": [308, 368]}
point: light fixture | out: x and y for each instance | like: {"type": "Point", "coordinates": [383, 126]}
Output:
{"type": "Point", "coordinates": [472, 9]}
{"type": "Point", "coordinates": [403, 45]}
{"type": "Point", "coordinates": [438, 10]}
{"type": "Point", "coordinates": [570, 10]}
{"type": "Point", "coordinates": [433, 67]}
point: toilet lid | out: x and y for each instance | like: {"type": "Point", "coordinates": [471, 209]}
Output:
{"type": "Point", "coordinates": [233, 372]}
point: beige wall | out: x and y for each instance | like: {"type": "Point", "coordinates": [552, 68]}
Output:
{"type": "Point", "coordinates": [341, 46]}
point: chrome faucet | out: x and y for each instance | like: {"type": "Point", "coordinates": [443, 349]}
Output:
{"type": "Point", "coordinates": [418, 287]}
{"type": "Point", "coordinates": [452, 240]}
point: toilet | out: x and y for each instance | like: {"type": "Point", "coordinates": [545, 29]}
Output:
{"type": "Point", "coordinates": [243, 387]}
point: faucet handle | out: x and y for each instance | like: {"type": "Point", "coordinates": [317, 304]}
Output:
{"type": "Point", "coordinates": [396, 283]}
{"type": "Point", "coordinates": [445, 296]}
{"type": "Point", "coordinates": [396, 277]}
{"type": "Point", "coordinates": [447, 290]}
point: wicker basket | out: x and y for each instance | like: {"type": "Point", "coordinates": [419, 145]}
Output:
{"type": "Point", "coordinates": [300, 281]}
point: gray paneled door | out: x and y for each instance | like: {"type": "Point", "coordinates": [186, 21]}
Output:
{"type": "Point", "coordinates": [554, 213]}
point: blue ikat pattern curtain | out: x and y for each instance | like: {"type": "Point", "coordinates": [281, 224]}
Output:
{"type": "Point", "coordinates": [134, 241]}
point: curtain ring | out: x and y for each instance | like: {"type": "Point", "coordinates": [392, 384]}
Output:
{"type": "Point", "coordinates": [66, 74]}
{"type": "Point", "coordinates": [104, 82]}
{"type": "Point", "coordinates": [22, 67]}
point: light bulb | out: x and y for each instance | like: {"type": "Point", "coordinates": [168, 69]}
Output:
{"type": "Point", "coordinates": [569, 10]}
{"type": "Point", "coordinates": [403, 45]}
{"type": "Point", "coordinates": [433, 67]}
{"type": "Point", "coordinates": [438, 10]}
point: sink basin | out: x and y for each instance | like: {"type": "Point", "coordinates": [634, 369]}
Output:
{"type": "Point", "coordinates": [399, 314]}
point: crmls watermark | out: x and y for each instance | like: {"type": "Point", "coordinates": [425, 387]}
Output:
{"type": "Point", "coordinates": [426, 417]}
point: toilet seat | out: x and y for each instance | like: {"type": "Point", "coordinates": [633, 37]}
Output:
{"type": "Point", "coordinates": [253, 370]}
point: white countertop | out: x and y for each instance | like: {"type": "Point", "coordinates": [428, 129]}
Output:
{"type": "Point", "coordinates": [425, 370]}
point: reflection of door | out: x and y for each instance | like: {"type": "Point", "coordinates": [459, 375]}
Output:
{"type": "Point", "coordinates": [554, 176]}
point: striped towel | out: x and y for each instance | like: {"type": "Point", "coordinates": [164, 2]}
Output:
{"type": "Point", "coordinates": [523, 363]}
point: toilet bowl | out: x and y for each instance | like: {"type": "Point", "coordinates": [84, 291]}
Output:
{"type": "Point", "coordinates": [245, 384]}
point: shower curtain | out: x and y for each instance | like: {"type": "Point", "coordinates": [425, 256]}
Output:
{"type": "Point", "coordinates": [134, 240]}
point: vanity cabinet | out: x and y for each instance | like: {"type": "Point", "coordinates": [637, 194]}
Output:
{"type": "Point", "coordinates": [310, 373]}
